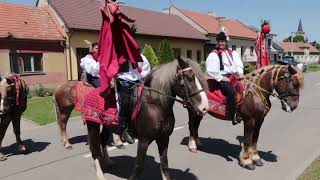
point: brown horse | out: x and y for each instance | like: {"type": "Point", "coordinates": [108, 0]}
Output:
{"type": "Point", "coordinates": [13, 92]}
{"type": "Point", "coordinates": [259, 86]}
{"type": "Point", "coordinates": [64, 102]}
{"type": "Point", "coordinates": [155, 120]}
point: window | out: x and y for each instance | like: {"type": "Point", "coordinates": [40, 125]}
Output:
{"type": "Point", "coordinates": [177, 52]}
{"type": "Point", "coordinates": [189, 54]}
{"type": "Point", "coordinates": [243, 50]}
{"type": "Point", "coordinates": [234, 47]}
{"type": "Point", "coordinates": [24, 63]}
{"type": "Point", "coordinates": [251, 50]}
{"type": "Point", "coordinates": [198, 56]}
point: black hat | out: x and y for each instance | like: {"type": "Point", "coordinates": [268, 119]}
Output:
{"type": "Point", "coordinates": [222, 37]}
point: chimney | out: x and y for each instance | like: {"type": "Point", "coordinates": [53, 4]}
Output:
{"type": "Point", "coordinates": [212, 14]}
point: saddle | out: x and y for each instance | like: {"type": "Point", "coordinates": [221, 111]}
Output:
{"type": "Point", "coordinates": [217, 101]}
{"type": "Point", "coordinates": [82, 89]}
{"type": "Point", "coordinates": [103, 111]}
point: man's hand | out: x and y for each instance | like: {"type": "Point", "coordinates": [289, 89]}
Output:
{"type": "Point", "coordinates": [225, 79]}
{"type": "Point", "coordinates": [112, 83]}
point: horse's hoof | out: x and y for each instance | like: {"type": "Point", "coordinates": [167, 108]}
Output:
{"type": "Point", "coordinates": [3, 157]}
{"type": "Point", "coordinates": [22, 149]}
{"type": "Point", "coordinates": [120, 146]}
{"type": "Point", "coordinates": [193, 150]}
{"type": "Point", "coordinates": [68, 147]}
{"type": "Point", "coordinates": [258, 162]}
{"type": "Point", "coordinates": [249, 166]}
{"type": "Point", "coordinates": [100, 176]}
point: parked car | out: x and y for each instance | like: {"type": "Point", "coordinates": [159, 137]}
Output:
{"type": "Point", "coordinates": [289, 60]}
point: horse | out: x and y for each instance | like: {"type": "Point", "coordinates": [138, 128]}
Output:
{"type": "Point", "coordinates": [13, 92]}
{"type": "Point", "coordinates": [64, 103]}
{"type": "Point", "coordinates": [258, 87]}
{"type": "Point", "coordinates": [155, 120]}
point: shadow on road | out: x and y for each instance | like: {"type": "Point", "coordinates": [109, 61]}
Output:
{"type": "Point", "coordinates": [30, 145]}
{"type": "Point", "coordinates": [79, 139]}
{"type": "Point", "coordinates": [226, 150]}
{"type": "Point", "coordinates": [125, 166]}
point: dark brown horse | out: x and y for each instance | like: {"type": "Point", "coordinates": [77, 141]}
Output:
{"type": "Point", "coordinates": [259, 86]}
{"type": "Point", "coordinates": [13, 92]}
{"type": "Point", "coordinates": [155, 121]}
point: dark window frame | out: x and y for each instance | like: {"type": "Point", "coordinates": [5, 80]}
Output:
{"type": "Point", "coordinates": [26, 63]}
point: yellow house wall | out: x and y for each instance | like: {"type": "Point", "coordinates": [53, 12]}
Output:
{"type": "Point", "coordinates": [4, 62]}
{"type": "Point", "coordinates": [77, 41]}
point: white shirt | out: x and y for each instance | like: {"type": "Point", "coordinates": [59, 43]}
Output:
{"type": "Point", "coordinates": [133, 74]}
{"type": "Point", "coordinates": [90, 66]}
{"type": "Point", "coordinates": [213, 65]}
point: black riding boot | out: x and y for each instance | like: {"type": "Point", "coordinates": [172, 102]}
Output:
{"type": "Point", "coordinates": [125, 131]}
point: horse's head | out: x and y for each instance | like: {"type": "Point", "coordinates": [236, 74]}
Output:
{"type": "Point", "coordinates": [190, 86]}
{"type": "Point", "coordinates": [7, 94]}
{"type": "Point", "coordinates": [288, 83]}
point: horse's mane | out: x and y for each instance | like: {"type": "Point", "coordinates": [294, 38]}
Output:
{"type": "Point", "coordinates": [163, 77]}
{"type": "Point", "coordinates": [256, 74]}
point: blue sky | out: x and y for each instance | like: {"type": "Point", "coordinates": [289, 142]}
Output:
{"type": "Point", "coordinates": [283, 14]}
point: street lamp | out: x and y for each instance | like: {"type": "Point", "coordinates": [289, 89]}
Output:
{"type": "Point", "coordinates": [291, 47]}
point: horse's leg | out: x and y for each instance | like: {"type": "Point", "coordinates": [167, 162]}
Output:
{"type": "Point", "coordinates": [95, 147]}
{"type": "Point", "coordinates": [141, 154]}
{"type": "Point", "coordinates": [254, 156]}
{"type": "Point", "coordinates": [117, 141]}
{"type": "Point", "coordinates": [163, 144]}
{"type": "Point", "coordinates": [194, 123]}
{"type": "Point", "coordinates": [16, 119]}
{"type": "Point", "coordinates": [245, 160]}
{"type": "Point", "coordinates": [4, 123]}
{"type": "Point", "coordinates": [63, 114]}
{"type": "Point", "coordinates": [105, 135]}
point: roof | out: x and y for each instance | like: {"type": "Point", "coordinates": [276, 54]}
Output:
{"type": "Point", "coordinates": [85, 15]}
{"type": "Point", "coordinates": [26, 22]}
{"type": "Point", "coordinates": [212, 24]}
{"type": "Point", "coordinates": [300, 29]}
{"type": "Point", "coordinates": [297, 47]}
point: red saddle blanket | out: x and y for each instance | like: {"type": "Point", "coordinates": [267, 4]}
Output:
{"type": "Point", "coordinates": [96, 109]}
{"type": "Point", "coordinates": [217, 101]}
{"type": "Point", "coordinates": [82, 90]}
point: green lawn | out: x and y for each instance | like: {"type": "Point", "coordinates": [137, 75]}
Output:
{"type": "Point", "coordinates": [41, 110]}
{"type": "Point", "coordinates": [313, 68]}
{"type": "Point", "coordinates": [312, 172]}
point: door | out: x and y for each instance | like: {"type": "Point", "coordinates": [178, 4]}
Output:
{"type": "Point", "coordinates": [81, 52]}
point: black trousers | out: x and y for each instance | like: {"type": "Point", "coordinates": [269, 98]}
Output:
{"type": "Point", "coordinates": [229, 91]}
{"type": "Point", "coordinates": [125, 90]}
{"type": "Point", "coordinates": [94, 81]}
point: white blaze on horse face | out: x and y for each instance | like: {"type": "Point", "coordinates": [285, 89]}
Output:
{"type": "Point", "coordinates": [204, 106]}
{"type": "Point", "coordinates": [1, 105]}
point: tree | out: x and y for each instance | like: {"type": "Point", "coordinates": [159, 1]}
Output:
{"type": "Point", "coordinates": [298, 38]}
{"type": "Point", "coordinates": [165, 52]}
{"type": "Point", "coordinates": [149, 53]}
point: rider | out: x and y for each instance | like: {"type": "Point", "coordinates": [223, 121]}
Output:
{"type": "Point", "coordinates": [220, 65]}
{"type": "Point", "coordinates": [126, 80]}
{"type": "Point", "coordinates": [90, 66]}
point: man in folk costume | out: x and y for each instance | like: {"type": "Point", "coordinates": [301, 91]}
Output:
{"type": "Point", "coordinates": [220, 65]}
{"type": "Point", "coordinates": [90, 66]}
{"type": "Point", "coordinates": [119, 57]}
{"type": "Point", "coordinates": [262, 46]}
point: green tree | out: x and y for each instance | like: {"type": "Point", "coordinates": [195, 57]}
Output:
{"type": "Point", "coordinates": [165, 53]}
{"type": "Point", "coordinates": [149, 53]}
{"type": "Point", "coordinates": [298, 38]}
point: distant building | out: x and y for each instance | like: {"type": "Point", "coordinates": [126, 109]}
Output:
{"type": "Point", "coordinates": [303, 52]}
{"type": "Point", "coordinates": [242, 37]}
{"type": "Point", "coordinates": [300, 30]}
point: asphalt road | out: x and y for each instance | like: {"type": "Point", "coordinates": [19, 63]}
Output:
{"type": "Point", "coordinates": [288, 144]}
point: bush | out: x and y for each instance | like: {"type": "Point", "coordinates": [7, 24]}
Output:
{"type": "Point", "coordinates": [149, 53]}
{"type": "Point", "coordinates": [42, 91]}
{"type": "Point", "coordinates": [203, 66]}
{"type": "Point", "coordinates": [248, 68]}
{"type": "Point", "coordinates": [165, 52]}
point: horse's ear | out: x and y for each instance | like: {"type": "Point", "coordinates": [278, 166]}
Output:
{"type": "Point", "coordinates": [292, 70]}
{"type": "Point", "coordinates": [10, 81]}
{"type": "Point", "coordinates": [182, 63]}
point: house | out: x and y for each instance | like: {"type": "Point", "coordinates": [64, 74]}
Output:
{"type": "Point", "coordinates": [303, 52]}
{"type": "Point", "coordinates": [242, 37]}
{"type": "Point", "coordinates": [31, 45]}
{"type": "Point", "coordinates": [81, 20]}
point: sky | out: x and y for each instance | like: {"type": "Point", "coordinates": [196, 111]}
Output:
{"type": "Point", "coordinates": [284, 15]}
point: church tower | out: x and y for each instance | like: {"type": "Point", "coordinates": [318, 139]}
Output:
{"type": "Point", "coordinates": [300, 29]}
